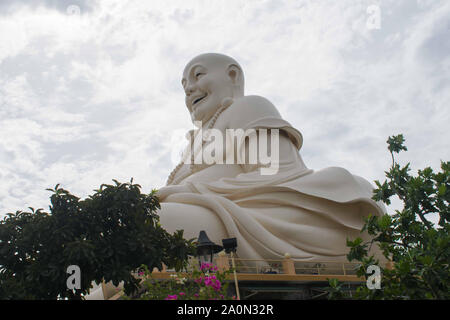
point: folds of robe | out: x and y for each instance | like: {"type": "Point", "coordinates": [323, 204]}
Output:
{"type": "Point", "coordinates": [308, 214]}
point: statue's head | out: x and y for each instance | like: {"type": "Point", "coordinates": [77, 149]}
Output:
{"type": "Point", "coordinates": [208, 80]}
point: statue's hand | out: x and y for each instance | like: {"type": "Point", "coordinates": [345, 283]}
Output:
{"type": "Point", "coordinates": [164, 192]}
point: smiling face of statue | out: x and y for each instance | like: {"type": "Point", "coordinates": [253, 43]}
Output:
{"type": "Point", "coordinates": [207, 80]}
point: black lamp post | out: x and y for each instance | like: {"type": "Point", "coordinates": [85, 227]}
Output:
{"type": "Point", "coordinates": [206, 248]}
{"type": "Point", "coordinates": [230, 246]}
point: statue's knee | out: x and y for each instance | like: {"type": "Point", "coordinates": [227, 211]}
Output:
{"type": "Point", "coordinates": [192, 219]}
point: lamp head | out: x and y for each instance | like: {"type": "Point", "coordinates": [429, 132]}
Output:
{"type": "Point", "coordinates": [229, 245]}
{"type": "Point", "coordinates": [206, 247]}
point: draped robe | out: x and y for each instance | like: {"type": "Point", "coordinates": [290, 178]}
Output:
{"type": "Point", "coordinates": [308, 214]}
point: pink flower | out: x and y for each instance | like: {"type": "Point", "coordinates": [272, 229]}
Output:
{"type": "Point", "coordinates": [196, 295]}
{"type": "Point", "coordinates": [206, 267]}
{"type": "Point", "coordinates": [171, 297]}
{"type": "Point", "coordinates": [217, 285]}
{"type": "Point", "coordinates": [181, 293]}
{"type": "Point", "coordinates": [199, 280]}
{"type": "Point", "coordinates": [213, 282]}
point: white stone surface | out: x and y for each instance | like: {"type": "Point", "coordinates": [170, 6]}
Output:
{"type": "Point", "coordinates": [298, 210]}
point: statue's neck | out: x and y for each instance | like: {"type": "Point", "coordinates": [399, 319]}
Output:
{"type": "Point", "coordinates": [207, 123]}
{"type": "Point", "coordinates": [210, 123]}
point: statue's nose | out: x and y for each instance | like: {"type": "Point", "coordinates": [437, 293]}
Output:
{"type": "Point", "coordinates": [189, 89]}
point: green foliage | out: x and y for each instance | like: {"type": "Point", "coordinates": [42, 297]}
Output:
{"type": "Point", "coordinates": [419, 250]}
{"type": "Point", "coordinates": [335, 290]}
{"type": "Point", "coordinates": [108, 235]}
{"type": "Point", "coordinates": [395, 144]}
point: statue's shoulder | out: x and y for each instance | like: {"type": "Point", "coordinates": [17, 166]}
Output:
{"type": "Point", "coordinates": [249, 108]}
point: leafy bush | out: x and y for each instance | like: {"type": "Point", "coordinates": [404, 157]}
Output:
{"type": "Point", "coordinates": [419, 250]}
{"type": "Point", "coordinates": [206, 283]}
{"type": "Point", "coordinates": [108, 235]}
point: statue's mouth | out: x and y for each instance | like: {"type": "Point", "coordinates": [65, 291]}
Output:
{"type": "Point", "coordinates": [197, 100]}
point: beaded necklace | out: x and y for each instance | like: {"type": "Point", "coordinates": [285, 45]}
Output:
{"type": "Point", "coordinates": [194, 168]}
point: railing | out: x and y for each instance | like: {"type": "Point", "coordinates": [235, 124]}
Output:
{"type": "Point", "coordinates": [264, 269]}
{"type": "Point", "coordinates": [284, 266]}
{"type": "Point", "coordinates": [327, 268]}
{"type": "Point", "coordinates": [291, 266]}
{"type": "Point", "coordinates": [259, 266]}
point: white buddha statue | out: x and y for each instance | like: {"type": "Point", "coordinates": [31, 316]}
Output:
{"type": "Point", "coordinates": [308, 214]}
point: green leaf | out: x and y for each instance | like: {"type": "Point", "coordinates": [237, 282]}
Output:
{"type": "Point", "coordinates": [384, 222]}
{"type": "Point", "coordinates": [442, 190]}
{"type": "Point", "coordinates": [395, 143]}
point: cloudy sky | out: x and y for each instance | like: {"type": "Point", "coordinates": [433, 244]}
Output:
{"type": "Point", "coordinates": [90, 91]}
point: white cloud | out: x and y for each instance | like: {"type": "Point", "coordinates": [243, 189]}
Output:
{"type": "Point", "coordinates": [91, 97]}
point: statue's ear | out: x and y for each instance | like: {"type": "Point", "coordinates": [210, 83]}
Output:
{"type": "Point", "coordinates": [235, 73]}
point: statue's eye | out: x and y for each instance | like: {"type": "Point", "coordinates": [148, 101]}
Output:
{"type": "Point", "coordinates": [198, 74]}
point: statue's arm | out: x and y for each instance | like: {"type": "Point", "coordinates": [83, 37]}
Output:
{"type": "Point", "coordinates": [166, 191]}
{"type": "Point", "coordinates": [247, 109]}
{"type": "Point", "coordinates": [286, 155]}
{"type": "Point", "coordinates": [250, 108]}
